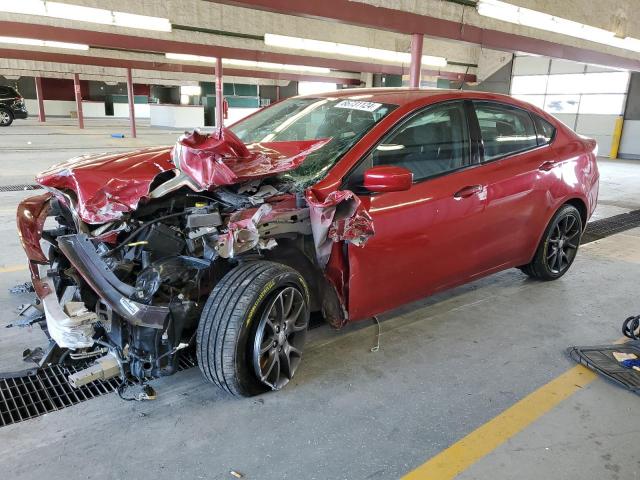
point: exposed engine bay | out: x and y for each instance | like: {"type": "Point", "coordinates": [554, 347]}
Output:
{"type": "Point", "coordinates": [122, 266]}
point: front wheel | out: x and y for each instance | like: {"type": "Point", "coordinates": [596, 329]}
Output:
{"type": "Point", "coordinates": [558, 246]}
{"type": "Point", "coordinates": [253, 328]}
{"type": "Point", "coordinates": [6, 118]}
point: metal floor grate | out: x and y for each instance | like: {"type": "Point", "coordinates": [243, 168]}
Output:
{"type": "Point", "coordinates": [19, 188]}
{"type": "Point", "coordinates": [610, 226]}
{"type": "Point", "coordinates": [48, 390]}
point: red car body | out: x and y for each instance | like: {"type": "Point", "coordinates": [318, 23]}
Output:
{"type": "Point", "coordinates": [370, 199]}
{"type": "Point", "coordinates": [427, 239]}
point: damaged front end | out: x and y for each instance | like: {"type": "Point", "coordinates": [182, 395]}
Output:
{"type": "Point", "coordinates": [124, 250]}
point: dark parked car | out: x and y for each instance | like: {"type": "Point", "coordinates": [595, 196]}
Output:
{"type": "Point", "coordinates": [350, 203]}
{"type": "Point", "coordinates": [11, 106]}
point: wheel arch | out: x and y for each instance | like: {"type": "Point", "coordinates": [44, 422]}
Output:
{"type": "Point", "coordinates": [582, 208]}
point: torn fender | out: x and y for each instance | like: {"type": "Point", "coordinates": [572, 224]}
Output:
{"type": "Point", "coordinates": [339, 217]}
{"type": "Point", "coordinates": [30, 217]}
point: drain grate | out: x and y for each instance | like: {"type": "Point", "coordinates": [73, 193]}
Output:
{"type": "Point", "coordinates": [610, 226]}
{"type": "Point", "coordinates": [19, 188]}
{"type": "Point", "coordinates": [48, 390]}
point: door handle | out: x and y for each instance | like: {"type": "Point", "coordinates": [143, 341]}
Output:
{"type": "Point", "coordinates": [467, 191]}
{"type": "Point", "coordinates": [546, 166]}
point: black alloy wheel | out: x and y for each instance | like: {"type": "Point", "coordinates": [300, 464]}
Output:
{"type": "Point", "coordinates": [253, 327]}
{"type": "Point", "coordinates": [280, 337]}
{"type": "Point", "coordinates": [558, 247]}
{"type": "Point", "coordinates": [562, 244]}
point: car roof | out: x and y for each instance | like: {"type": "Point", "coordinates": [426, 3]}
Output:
{"type": "Point", "coordinates": [406, 95]}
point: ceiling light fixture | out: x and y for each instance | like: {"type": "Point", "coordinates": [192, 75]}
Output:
{"type": "Point", "coordinates": [543, 21]}
{"type": "Point", "coordinates": [43, 43]}
{"type": "Point", "coordinates": [80, 13]}
{"type": "Point", "coordinates": [189, 58]}
{"type": "Point", "coordinates": [275, 66]}
{"type": "Point", "coordinates": [247, 63]}
{"type": "Point", "coordinates": [333, 48]}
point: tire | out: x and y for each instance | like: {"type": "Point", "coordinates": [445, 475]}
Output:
{"type": "Point", "coordinates": [6, 117]}
{"type": "Point", "coordinates": [234, 326]}
{"type": "Point", "coordinates": [562, 234]}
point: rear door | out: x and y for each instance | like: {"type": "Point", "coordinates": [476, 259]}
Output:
{"type": "Point", "coordinates": [518, 168]}
{"type": "Point", "coordinates": [423, 236]}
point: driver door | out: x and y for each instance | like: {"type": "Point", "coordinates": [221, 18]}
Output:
{"type": "Point", "coordinates": [424, 236]}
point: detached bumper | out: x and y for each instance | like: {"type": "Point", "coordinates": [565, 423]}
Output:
{"type": "Point", "coordinates": [80, 251]}
{"type": "Point", "coordinates": [82, 254]}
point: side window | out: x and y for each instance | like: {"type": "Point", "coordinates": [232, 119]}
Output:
{"type": "Point", "coordinates": [433, 142]}
{"type": "Point", "coordinates": [505, 130]}
{"type": "Point", "coordinates": [544, 129]}
{"type": "Point", "coordinates": [4, 92]}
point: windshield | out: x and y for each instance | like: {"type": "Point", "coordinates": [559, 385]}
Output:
{"type": "Point", "coordinates": [344, 121]}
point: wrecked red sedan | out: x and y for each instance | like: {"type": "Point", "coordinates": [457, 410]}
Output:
{"type": "Point", "coordinates": [350, 204]}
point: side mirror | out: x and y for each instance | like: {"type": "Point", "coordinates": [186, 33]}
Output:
{"type": "Point", "coordinates": [387, 178]}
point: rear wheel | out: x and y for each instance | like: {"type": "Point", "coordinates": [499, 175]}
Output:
{"type": "Point", "coordinates": [6, 118]}
{"type": "Point", "coordinates": [253, 328]}
{"type": "Point", "coordinates": [558, 247]}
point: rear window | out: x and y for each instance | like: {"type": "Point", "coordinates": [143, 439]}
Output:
{"type": "Point", "coordinates": [544, 130]}
{"type": "Point", "coordinates": [8, 92]}
{"type": "Point", "coordinates": [505, 130]}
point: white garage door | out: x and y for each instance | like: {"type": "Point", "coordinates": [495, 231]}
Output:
{"type": "Point", "coordinates": [587, 98]}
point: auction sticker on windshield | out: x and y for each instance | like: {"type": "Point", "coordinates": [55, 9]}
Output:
{"type": "Point", "coordinates": [357, 105]}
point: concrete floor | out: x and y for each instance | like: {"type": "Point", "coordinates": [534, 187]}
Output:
{"type": "Point", "coordinates": [447, 365]}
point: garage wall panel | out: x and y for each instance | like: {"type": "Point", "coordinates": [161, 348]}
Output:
{"type": "Point", "coordinates": [525, 65]}
{"type": "Point", "coordinates": [568, 119]}
{"type": "Point", "coordinates": [584, 97]}
{"type": "Point", "coordinates": [566, 66]}
{"type": "Point", "coordinates": [596, 124]}
{"type": "Point", "coordinates": [630, 144]}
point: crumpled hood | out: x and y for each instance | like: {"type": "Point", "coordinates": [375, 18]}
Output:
{"type": "Point", "coordinates": [106, 186]}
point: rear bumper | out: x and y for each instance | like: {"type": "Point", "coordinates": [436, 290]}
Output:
{"type": "Point", "coordinates": [20, 114]}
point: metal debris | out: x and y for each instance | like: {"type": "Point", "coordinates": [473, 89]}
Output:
{"type": "Point", "coordinates": [28, 315]}
{"type": "Point", "coordinates": [26, 287]}
{"type": "Point", "coordinates": [34, 355]}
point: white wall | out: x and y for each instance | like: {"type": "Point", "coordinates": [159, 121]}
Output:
{"type": "Point", "coordinates": [121, 110]}
{"type": "Point", "coordinates": [54, 108]}
{"type": "Point", "coordinates": [93, 109]}
{"type": "Point", "coordinates": [630, 144]}
{"type": "Point", "coordinates": [177, 116]}
{"type": "Point", "coordinates": [236, 114]}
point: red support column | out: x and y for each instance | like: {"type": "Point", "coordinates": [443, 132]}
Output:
{"type": "Point", "coordinates": [76, 87]}
{"type": "Point", "coordinates": [416, 60]}
{"type": "Point", "coordinates": [219, 99]}
{"type": "Point", "coordinates": [132, 108]}
{"type": "Point", "coordinates": [41, 114]}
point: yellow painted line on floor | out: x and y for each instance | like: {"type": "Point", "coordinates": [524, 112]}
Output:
{"type": "Point", "coordinates": [461, 455]}
{"type": "Point", "coordinates": [13, 268]}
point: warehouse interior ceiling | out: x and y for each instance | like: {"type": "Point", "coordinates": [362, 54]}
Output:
{"type": "Point", "coordinates": [462, 43]}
